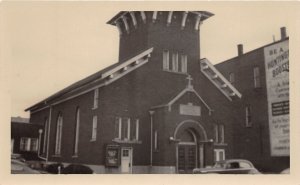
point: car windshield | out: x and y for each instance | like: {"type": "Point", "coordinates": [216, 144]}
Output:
{"type": "Point", "coordinates": [220, 165]}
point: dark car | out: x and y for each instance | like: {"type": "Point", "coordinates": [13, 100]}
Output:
{"type": "Point", "coordinates": [77, 169]}
{"type": "Point", "coordinates": [230, 166]}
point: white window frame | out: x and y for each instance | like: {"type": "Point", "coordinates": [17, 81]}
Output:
{"type": "Point", "coordinates": [166, 60]}
{"type": "Point", "coordinates": [256, 75]}
{"type": "Point", "coordinates": [127, 138]}
{"type": "Point", "coordinates": [26, 144]}
{"type": "Point", "coordinates": [94, 128]}
{"type": "Point", "coordinates": [58, 138]}
{"type": "Point", "coordinates": [23, 143]}
{"type": "Point", "coordinates": [119, 127]}
{"type": "Point", "coordinates": [34, 148]}
{"type": "Point", "coordinates": [96, 98]}
{"type": "Point", "coordinates": [217, 155]}
{"type": "Point", "coordinates": [77, 125]}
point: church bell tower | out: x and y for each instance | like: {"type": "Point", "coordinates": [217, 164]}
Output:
{"type": "Point", "coordinates": [175, 31]}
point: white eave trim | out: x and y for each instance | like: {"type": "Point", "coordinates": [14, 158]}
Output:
{"type": "Point", "coordinates": [128, 62]}
{"type": "Point", "coordinates": [108, 74]}
{"type": "Point", "coordinates": [205, 65]}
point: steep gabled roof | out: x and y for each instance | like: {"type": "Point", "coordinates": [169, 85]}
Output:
{"type": "Point", "coordinates": [107, 76]}
{"type": "Point", "coordinates": [189, 88]}
{"type": "Point", "coordinates": [218, 80]}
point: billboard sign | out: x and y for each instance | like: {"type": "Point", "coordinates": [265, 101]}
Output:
{"type": "Point", "coordinates": [277, 79]}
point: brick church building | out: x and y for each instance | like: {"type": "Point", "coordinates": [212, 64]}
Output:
{"type": "Point", "coordinates": [160, 109]}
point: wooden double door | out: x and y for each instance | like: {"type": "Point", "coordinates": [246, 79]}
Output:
{"type": "Point", "coordinates": [187, 158]}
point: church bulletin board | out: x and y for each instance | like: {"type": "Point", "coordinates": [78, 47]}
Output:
{"type": "Point", "coordinates": [277, 79]}
{"type": "Point", "coordinates": [112, 158]}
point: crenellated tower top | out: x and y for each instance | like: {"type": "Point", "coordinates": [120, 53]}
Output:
{"type": "Point", "coordinates": [175, 31]}
{"type": "Point", "coordinates": [124, 19]}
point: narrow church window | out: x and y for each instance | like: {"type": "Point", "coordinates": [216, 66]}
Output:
{"type": "Point", "coordinates": [59, 125]}
{"type": "Point", "coordinates": [221, 133]}
{"type": "Point", "coordinates": [76, 138]}
{"type": "Point", "coordinates": [166, 60]}
{"type": "Point", "coordinates": [175, 62]}
{"type": "Point", "coordinates": [135, 130]}
{"type": "Point", "coordinates": [183, 63]}
{"type": "Point", "coordinates": [94, 128]}
{"type": "Point", "coordinates": [45, 135]}
{"type": "Point", "coordinates": [137, 124]}
{"type": "Point", "coordinates": [126, 129]}
{"type": "Point", "coordinates": [256, 74]}
{"type": "Point", "coordinates": [231, 78]}
{"type": "Point", "coordinates": [248, 116]}
{"type": "Point", "coordinates": [96, 98]}
{"type": "Point", "coordinates": [118, 127]}
{"type": "Point", "coordinates": [216, 130]}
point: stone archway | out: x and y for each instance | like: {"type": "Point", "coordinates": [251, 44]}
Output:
{"type": "Point", "coordinates": [189, 149]}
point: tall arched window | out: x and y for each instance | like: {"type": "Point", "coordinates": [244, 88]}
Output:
{"type": "Point", "coordinates": [59, 125]}
{"type": "Point", "coordinates": [45, 135]}
{"type": "Point", "coordinates": [76, 138]}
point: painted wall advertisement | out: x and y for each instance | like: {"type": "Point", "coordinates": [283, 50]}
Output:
{"type": "Point", "coordinates": [277, 78]}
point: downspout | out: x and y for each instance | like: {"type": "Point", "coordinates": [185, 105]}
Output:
{"type": "Point", "coordinates": [48, 134]}
{"type": "Point", "coordinates": [151, 137]}
{"type": "Point", "coordinates": [39, 148]}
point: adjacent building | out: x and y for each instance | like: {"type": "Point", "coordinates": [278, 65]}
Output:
{"type": "Point", "coordinates": [24, 138]}
{"type": "Point", "coordinates": [262, 76]}
{"type": "Point", "coordinates": [160, 108]}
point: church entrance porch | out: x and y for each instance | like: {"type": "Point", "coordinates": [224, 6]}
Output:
{"type": "Point", "coordinates": [191, 140]}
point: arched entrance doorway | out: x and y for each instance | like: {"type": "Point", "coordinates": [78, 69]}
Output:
{"type": "Point", "coordinates": [190, 149]}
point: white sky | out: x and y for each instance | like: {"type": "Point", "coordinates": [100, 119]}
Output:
{"type": "Point", "coordinates": [47, 46]}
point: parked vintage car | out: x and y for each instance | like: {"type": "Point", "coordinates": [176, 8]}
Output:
{"type": "Point", "coordinates": [19, 167]}
{"type": "Point", "coordinates": [230, 166]}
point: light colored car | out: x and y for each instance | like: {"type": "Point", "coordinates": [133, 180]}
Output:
{"type": "Point", "coordinates": [19, 167]}
{"type": "Point", "coordinates": [286, 171]}
{"type": "Point", "coordinates": [230, 166]}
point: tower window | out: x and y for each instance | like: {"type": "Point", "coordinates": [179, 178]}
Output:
{"type": "Point", "coordinates": [166, 60]}
{"type": "Point", "coordinates": [174, 65]}
{"type": "Point", "coordinates": [175, 62]}
{"type": "Point", "coordinates": [183, 63]}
